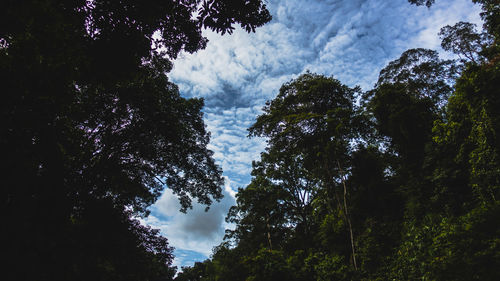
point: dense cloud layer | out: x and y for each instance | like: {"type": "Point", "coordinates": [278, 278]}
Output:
{"type": "Point", "coordinates": [349, 39]}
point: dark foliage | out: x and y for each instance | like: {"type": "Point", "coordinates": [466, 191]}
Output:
{"type": "Point", "coordinates": [427, 3]}
{"type": "Point", "coordinates": [92, 131]}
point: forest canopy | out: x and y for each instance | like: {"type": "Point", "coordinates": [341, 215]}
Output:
{"type": "Point", "coordinates": [399, 182]}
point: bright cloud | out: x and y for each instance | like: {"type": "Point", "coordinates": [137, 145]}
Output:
{"type": "Point", "coordinates": [196, 232]}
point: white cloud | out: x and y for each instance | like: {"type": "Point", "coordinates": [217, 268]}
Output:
{"type": "Point", "coordinates": [197, 230]}
{"type": "Point", "coordinates": [442, 14]}
{"type": "Point", "coordinates": [233, 149]}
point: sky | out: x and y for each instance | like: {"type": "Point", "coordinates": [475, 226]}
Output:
{"type": "Point", "coordinates": [351, 40]}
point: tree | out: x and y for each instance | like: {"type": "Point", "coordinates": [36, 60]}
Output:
{"type": "Point", "coordinates": [409, 96]}
{"type": "Point", "coordinates": [313, 118]}
{"type": "Point", "coordinates": [96, 66]}
{"type": "Point", "coordinates": [274, 210]}
{"type": "Point", "coordinates": [463, 40]}
{"type": "Point", "coordinates": [260, 215]}
{"type": "Point", "coordinates": [422, 74]}
{"type": "Point", "coordinates": [88, 115]}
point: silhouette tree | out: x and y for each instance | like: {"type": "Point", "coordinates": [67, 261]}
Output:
{"type": "Point", "coordinates": [89, 118]}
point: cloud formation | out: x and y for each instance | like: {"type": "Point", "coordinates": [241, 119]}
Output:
{"type": "Point", "coordinates": [348, 39]}
{"type": "Point", "coordinates": [194, 233]}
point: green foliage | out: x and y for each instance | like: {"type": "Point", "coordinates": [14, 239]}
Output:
{"type": "Point", "coordinates": [470, 134]}
{"type": "Point", "coordinates": [261, 215]}
{"type": "Point", "coordinates": [449, 248]}
{"type": "Point", "coordinates": [328, 267]}
{"type": "Point", "coordinates": [267, 265]}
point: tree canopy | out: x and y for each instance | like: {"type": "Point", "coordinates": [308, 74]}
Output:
{"type": "Point", "coordinates": [93, 130]}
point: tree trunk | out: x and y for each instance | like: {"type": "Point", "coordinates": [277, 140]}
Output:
{"type": "Point", "coordinates": [343, 208]}
{"type": "Point", "coordinates": [269, 233]}
{"type": "Point", "coordinates": [348, 218]}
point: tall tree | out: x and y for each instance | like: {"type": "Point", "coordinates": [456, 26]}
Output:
{"type": "Point", "coordinates": [89, 117]}
{"type": "Point", "coordinates": [313, 118]}
{"type": "Point", "coordinates": [274, 211]}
